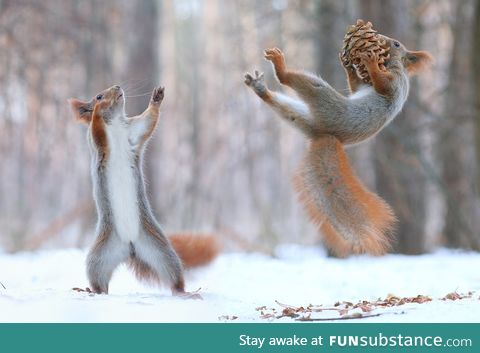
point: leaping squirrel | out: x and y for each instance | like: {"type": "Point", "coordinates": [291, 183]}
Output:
{"type": "Point", "coordinates": [127, 230]}
{"type": "Point", "coordinates": [350, 217]}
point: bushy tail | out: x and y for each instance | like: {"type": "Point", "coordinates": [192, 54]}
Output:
{"type": "Point", "coordinates": [195, 249]}
{"type": "Point", "coordinates": [350, 218]}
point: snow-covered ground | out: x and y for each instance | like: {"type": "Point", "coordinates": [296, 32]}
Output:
{"type": "Point", "coordinates": [38, 288]}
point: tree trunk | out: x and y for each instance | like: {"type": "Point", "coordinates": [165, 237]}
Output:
{"type": "Point", "coordinates": [399, 178]}
{"type": "Point", "coordinates": [458, 171]}
{"type": "Point", "coordinates": [476, 74]}
{"type": "Point", "coordinates": [142, 73]}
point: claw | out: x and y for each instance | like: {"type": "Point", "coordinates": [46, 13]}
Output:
{"type": "Point", "coordinates": [272, 53]}
{"type": "Point", "coordinates": [248, 79]}
{"type": "Point", "coordinates": [188, 295]}
{"type": "Point", "coordinates": [80, 290]}
{"type": "Point", "coordinates": [256, 77]}
{"type": "Point", "coordinates": [158, 94]}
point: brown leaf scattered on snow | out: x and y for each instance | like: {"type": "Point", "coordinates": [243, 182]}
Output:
{"type": "Point", "coordinates": [343, 309]}
{"type": "Point", "coordinates": [268, 316]}
{"type": "Point", "coordinates": [392, 300]}
{"type": "Point", "coordinates": [457, 296]}
{"type": "Point", "coordinates": [292, 312]}
{"type": "Point", "coordinates": [366, 308]}
{"type": "Point", "coordinates": [346, 317]}
{"type": "Point", "coordinates": [227, 317]}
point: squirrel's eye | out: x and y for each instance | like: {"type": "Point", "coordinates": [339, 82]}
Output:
{"type": "Point", "coordinates": [99, 97]}
{"type": "Point", "coordinates": [396, 44]}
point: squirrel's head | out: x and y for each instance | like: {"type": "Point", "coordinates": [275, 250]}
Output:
{"type": "Point", "coordinates": [110, 102]}
{"type": "Point", "coordinates": [413, 61]}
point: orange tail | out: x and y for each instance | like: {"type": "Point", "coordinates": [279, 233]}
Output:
{"type": "Point", "coordinates": [195, 249]}
{"type": "Point", "coordinates": [350, 218]}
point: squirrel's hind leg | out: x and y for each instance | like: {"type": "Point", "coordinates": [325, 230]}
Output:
{"type": "Point", "coordinates": [105, 255]}
{"type": "Point", "coordinates": [154, 250]}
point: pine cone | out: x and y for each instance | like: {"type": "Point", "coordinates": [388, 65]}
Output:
{"type": "Point", "coordinates": [360, 38]}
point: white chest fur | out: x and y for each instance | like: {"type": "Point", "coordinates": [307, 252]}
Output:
{"type": "Point", "coordinates": [121, 183]}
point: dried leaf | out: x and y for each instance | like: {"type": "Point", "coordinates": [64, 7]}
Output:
{"type": "Point", "coordinates": [457, 296]}
{"type": "Point", "coordinates": [227, 317]}
{"type": "Point", "coordinates": [301, 313]}
{"type": "Point", "coordinates": [290, 312]}
{"type": "Point", "coordinates": [267, 316]}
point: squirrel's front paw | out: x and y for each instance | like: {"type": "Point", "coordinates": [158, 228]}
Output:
{"type": "Point", "coordinates": [256, 82]}
{"type": "Point", "coordinates": [255, 79]}
{"type": "Point", "coordinates": [369, 58]}
{"type": "Point", "coordinates": [157, 95]}
{"type": "Point", "coordinates": [274, 55]}
{"type": "Point", "coordinates": [346, 64]}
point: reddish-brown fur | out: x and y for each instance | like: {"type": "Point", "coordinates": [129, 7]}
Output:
{"type": "Point", "coordinates": [81, 110]}
{"type": "Point", "coordinates": [381, 80]}
{"type": "Point", "coordinates": [373, 219]}
{"type": "Point", "coordinates": [142, 270]}
{"type": "Point", "coordinates": [194, 249]}
{"type": "Point", "coordinates": [417, 61]}
{"type": "Point", "coordinates": [278, 61]}
{"type": "Point", "coordinates": [98, 131]}
{"type": "Point", "coordinates": [350, 218]}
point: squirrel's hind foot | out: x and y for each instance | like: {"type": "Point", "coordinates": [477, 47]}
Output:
{"type": "Point", "coordinates": [86, 290]}
{"type": "Point", "coordinates": [188, 295]}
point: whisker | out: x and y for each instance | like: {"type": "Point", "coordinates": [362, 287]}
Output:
{"type": "Point", "coordinates": [128, 83]}
{"type": "Point", "coordinates": [137, 85]}
{"type": "Point", "coordinates": [139, 95]}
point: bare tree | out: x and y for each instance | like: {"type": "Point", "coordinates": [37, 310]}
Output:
{"type": "Point", "coordinates": [458, 171]}
{"type": "Point", "coordinates": [476, 75]}
{"type": "Point", "coordinates": [399, 177]}
{"type": "Point", "coordinates": [220, 159]}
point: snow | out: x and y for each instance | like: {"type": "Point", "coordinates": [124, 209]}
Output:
{"type": "Point", "coordinates": [38, 287]}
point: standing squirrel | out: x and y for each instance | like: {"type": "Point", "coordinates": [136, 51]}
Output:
{"type": "Point", "coordinates": [350, 218]}
{"type": "Point", "coordinates": [127, 229]}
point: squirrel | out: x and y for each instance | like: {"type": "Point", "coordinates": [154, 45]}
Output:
{"type": "Point", "coordinates": [127, 230]}
{"type": "Point", "coordinates": [351, 218]}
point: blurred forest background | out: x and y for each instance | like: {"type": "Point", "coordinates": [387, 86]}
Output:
{"type": "Point", "coordinates": [221, 160]}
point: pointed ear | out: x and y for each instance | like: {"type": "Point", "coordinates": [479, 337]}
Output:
{"type": "Point", "coordinates": [417, 61]}
{"type": "Point", "coordinates": [81, 110]}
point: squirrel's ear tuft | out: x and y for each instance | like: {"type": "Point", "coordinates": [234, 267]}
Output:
{"type": "Point", "coordinates": [81, 110]}
{"type": "Point", "coordinates": [417, 61]}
